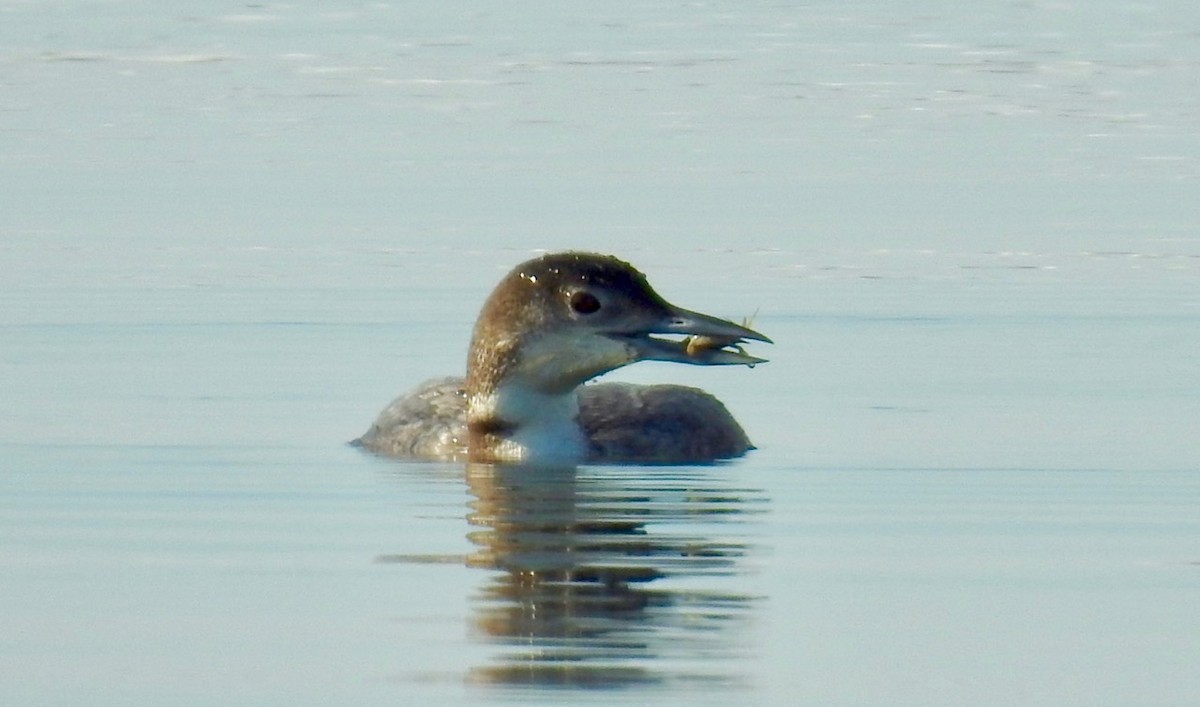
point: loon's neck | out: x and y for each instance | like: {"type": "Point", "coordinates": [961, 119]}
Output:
{"type": "Point", "coordinates": [515, 423]}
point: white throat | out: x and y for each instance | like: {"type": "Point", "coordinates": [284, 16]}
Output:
{"type": "Point", "coordinates": [544, 429]}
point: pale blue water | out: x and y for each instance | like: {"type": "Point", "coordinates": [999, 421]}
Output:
{"type": "Point", "coordinates": [233, 232]}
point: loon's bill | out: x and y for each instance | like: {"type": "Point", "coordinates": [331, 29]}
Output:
{"type": "Point", "coordinates": [708, 341]}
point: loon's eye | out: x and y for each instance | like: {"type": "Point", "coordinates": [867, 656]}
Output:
{"type": "Point", "coordinates": [584, 302]}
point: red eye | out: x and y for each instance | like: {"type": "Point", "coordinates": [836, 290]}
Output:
{"type": "Point", "coordinates": [584, 302]}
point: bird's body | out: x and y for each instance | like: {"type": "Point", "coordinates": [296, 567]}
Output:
{"type": "Point", "coordinates": [621, 422]}
{"type": "Point", "coordinates": [550, 326]}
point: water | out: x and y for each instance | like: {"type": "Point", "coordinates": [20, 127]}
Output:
{"type": "Point", "coordinates": [233, 232]}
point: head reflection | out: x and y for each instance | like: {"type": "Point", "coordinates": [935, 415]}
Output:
{"type": "Point", "coordinates": [595, 573]}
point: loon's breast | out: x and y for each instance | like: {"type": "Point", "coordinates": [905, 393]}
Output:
{"type": "Point", "coordinates": [621, 423]}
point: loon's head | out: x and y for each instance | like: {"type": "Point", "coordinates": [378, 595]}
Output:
{"type": "Point", "coordinates": [560, 320]}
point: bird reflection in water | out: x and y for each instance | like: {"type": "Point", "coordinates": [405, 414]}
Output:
{"type": "Point", "coordinates": [601, 574]}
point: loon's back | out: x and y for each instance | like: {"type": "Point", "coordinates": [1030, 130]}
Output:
{"type": "Point", "coordinates": [622, 422]}
{"type": "Point", "coordinates": [657, 424]}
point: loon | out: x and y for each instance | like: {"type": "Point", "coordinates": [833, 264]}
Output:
{"type": "Point", "coordinates": [552, 324]}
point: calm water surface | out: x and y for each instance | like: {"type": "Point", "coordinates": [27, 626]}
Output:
{"type": "Point", "coordinates": [233, 233]}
